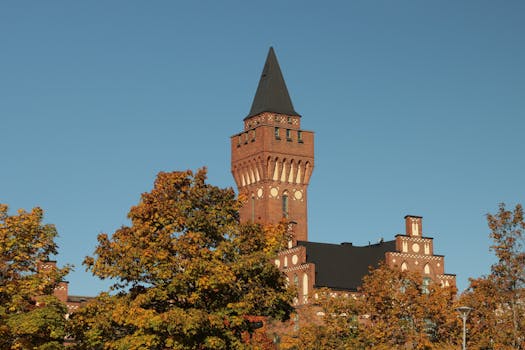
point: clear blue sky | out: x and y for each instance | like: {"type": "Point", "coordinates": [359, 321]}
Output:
{"type": "Point", "coordinates": [418, 108]}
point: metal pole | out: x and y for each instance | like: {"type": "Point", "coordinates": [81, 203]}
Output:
{"type": "Point", "coordinates": [463, 312]}
{"type": "Point", "coordinates": [464, 331]}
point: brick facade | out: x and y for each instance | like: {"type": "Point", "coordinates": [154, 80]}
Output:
{"type": "Point", "coordinates": [272, 160]}
{"type": "Point", "coordinates": [61, 291]}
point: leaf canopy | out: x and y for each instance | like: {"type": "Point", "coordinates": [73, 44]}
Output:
{"type": "Point", "coordinates": [188, 274]}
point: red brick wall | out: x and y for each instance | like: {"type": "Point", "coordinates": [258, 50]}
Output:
{"type": "Point", "coordinates": [265, 168]}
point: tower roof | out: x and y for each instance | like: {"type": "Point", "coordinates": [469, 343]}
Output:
{"type": "Point", "coordinates": [272, 94]}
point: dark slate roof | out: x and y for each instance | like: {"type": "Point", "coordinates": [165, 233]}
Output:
{"type": "Point", "coordinates": [272, 94]}
{"type": "Point", "coordinates": [78, 298]}
{"type": "Point", "coordinates": [343, 266]}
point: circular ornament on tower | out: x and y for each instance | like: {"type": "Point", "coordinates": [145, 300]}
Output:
{"type": "Point", "coordinates": [298, 195]}
{"type": "Point", "coordinates": [415, 247]}
{"type": "Point", "coordinates": [259, 193]}
{"type": "Point", "coordinates": [274, 192]}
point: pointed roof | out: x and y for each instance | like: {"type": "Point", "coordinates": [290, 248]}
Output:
{"type": "Point", "coordinates": [272, 94]}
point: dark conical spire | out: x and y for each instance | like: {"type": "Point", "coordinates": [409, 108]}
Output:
{"type": "Point", "coordinates": [272, 94]}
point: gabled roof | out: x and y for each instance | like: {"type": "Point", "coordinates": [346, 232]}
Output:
{"type": "Point", "coordinates": [343, 266]}
{"type": "Point", "coordinates": [272, 94]}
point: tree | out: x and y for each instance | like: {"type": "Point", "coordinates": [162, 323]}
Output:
{"type": "Point", "coordinates": [30, 317]}
{"type": "Point", "coordinates": [400, 313]}
{"type": "Point", "coordinates": [327, 322]}
{"type": "Point", "coordinates": [188, 275]}
{"type": "Point", "coordinates": [498, 300]}
{"type": "Point", "coordinates": [392, 310]}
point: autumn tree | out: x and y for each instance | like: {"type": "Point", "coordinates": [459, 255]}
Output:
{"type": "Point", "coordinates": [392, 310]}
{"type": "Point", "coordinates": [497, 320]}
{"type": "Point", "coordinates": [187, 274]}
{"type": "Point", "coordinates": [326, 322]}
{"type": "Point", "coordinates": [30, 316]}
{"type": "Point", "coordinates": [399, 312]}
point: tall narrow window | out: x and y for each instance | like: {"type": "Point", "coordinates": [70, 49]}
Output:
{"type": "Point", "coordinates": [253, 207]}
{"type": "Point", "coordinates": [299, 136]}
{"type": "Point", "coordinates": [288, 135]}
{"type": "Point", "coordinates": [296, 322]}
{"type": "Point", "coordinates": [276, 132]}
{"type": "Point", "coordinates": [285, 205]}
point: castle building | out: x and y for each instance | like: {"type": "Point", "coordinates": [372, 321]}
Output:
{"type": "Point", "coordinates": [272, 161]}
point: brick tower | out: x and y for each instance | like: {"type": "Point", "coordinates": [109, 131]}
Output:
{"type": "Point", "coordinates": [272, 158]}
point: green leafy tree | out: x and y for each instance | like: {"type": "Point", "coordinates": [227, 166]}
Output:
{"type": "Point", "coordinates": [30, 316]}
{"type": "Point", "coordinates": [188, 275]}
{"type": "Point", "coordinates": [497, 320]}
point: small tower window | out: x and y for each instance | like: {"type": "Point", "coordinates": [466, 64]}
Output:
{"type": "Point", "coordinates": [253, 207]}
{"type": "Point", "coordinates": [285, 205]}
{"type": "Point", "coordinates": [288, 135]}
{"type": "Point", "coordinates": [253, 135]}
{"type": "Point", "coordinates": [299, 136]}
{"type": "Point", "coordinates": [276, 132]}
{"type": "Point", "coordinates": [289, 120]}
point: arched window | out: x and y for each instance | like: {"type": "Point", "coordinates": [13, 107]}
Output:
{"type": "Point", "coordinates": [305, 285]}
{"type": "Point", "coordinates": [404, 266]}
{"type": "Point", "coordinates": [285, 205]}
